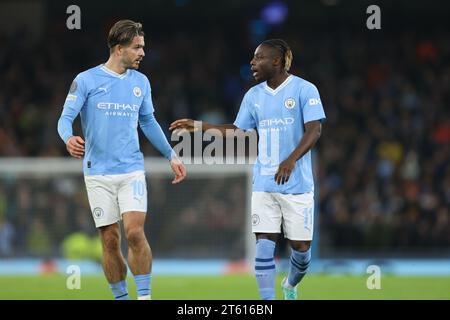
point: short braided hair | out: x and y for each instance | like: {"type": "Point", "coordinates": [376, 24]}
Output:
{"type": "Point", "coordinates": [282, 47]}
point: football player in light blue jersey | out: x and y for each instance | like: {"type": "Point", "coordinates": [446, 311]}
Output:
{"type": "Point", "coordinates": [287, 112]}
{"type": "Point", "coordinates": [112, 99]}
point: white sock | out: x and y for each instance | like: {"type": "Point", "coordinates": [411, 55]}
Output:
{"type": "Point", "coordinates": [147, 297]}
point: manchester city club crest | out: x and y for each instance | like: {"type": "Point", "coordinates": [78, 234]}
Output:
{"type": "Point", "coordinates": [137, 91]}
{"type": "Point", "coordinates": [98, 213]}
{"type": "Point", "coordinates": [255, 219]}
{"type": "Point", "coordinates": [289, 103]}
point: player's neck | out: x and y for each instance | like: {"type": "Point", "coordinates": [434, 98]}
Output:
{"type": "Point", "coordinates": [115, 66]}
{"type": "Point", "coordinates": [278, 79]}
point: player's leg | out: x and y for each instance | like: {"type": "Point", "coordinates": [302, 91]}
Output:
{"type": "Point", "coordinates": [299, 262]}
{"type": "Point", "coordinates": [139, 252]}
{"type": "Point", "coordinates": [102, 194]}
{"type": "Point", "coordinates": [113, 262]}
{"type": "Point", "coordinates": [265, 271]}
{"type": "Point", "coordinates": [133, 206]}
{"type": "Point", "coordinates": [298, 221]}
{"type": "Point", "coordinates": [266, 225]}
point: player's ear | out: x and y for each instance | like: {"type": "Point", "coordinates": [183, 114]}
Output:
{"type": "Point", "coordinates": [276, 61]}
{"type": "Point", "coordinates": [119, 49]}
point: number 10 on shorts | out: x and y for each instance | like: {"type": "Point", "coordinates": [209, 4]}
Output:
{"type": "Point", "coordinates": [138, 189]}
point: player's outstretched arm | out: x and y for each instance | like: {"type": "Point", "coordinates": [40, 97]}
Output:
{"type": "Point", "coordinates": [186, 124]}
{"type": "Point", "coordinates": [193, 125]}
{"type": "Point", "coordinates": [75, 147]}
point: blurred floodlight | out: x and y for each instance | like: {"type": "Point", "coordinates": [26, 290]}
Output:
{"type": "Point", "coordinates": [274, 13]}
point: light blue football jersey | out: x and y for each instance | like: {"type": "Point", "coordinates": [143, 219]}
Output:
{"type": "Point", "coordinates": [279, 116]}
{"type": "Point", "coordinates": [110, 106]}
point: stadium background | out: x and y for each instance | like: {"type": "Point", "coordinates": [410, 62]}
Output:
{"type": "Point", "coordinates": [382, 163]}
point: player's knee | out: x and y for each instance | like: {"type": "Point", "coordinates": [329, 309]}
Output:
{"type": "Point", "coordinates": [269, 236]}
{"type": "Point", "coordinates": [135, 236]}
{"type": "Point", "coordinates": [300, 245]}
{"type": "Point", "coordinates": [111, 243]}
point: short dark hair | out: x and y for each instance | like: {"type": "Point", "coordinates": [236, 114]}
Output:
{"type": "Point", "coordinates": [123, 32]}
{"type": "Point", "coordinates": [283, 48]}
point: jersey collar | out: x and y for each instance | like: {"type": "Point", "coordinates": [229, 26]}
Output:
{"type": "Point", "coordinates": [113, 73]}
{"type": "Point", "coordinates": [281, 86]}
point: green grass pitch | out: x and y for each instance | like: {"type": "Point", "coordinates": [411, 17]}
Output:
{"type": "Point", "coordinates": [227, 287]}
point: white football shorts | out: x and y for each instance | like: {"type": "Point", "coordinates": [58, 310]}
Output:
{"type": "Point", "coordinates": [294, 211]}
{"type": "Point", "coordinates": [112, 195]}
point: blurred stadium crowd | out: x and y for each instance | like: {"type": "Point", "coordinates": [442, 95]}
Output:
{"type": "Point", "coordinates": [44, 217]}
{"type": "Point", "coordinates": [382, 161]}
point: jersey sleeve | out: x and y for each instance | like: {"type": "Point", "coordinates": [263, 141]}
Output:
{"type": "Point", "coordinates": [147, 103]}
{"type": "Point", "coordinates": [152, 130]}
{"type": "Point", "coordinates": [312, 105]}
{"type": "Point", "coordinates": [74, 102]}
{"type": "Point", "coordinates": [244, 119]}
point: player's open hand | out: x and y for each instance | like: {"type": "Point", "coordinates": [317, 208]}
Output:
{"type": "Point", "coordinates": [284, 171]}
{"type": "Point", "coordinates": [179, 169]}
{"type": "Point", "coordinates": [75, 146]}
{"type": "Point", "coordinates": [185, 124]}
